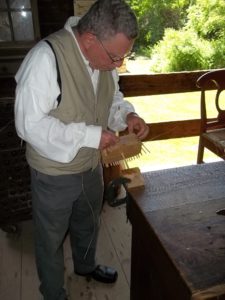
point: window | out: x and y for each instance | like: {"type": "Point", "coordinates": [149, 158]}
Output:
{"type": "Point", "coordinates": [18, 21]}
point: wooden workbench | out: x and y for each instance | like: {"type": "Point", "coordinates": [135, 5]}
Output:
{"type": "Point", "coordinates": [178, 239]}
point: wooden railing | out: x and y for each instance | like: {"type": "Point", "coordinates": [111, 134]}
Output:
{"type": "Point", "coordinates": [156, 84]}
{"type": "Point", "coordinates": [142, 85]}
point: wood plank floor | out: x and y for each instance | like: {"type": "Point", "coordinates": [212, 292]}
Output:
{"type": "Point", "coordinates": [18, 276]}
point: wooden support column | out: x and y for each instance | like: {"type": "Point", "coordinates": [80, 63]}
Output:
{"type": "Point", "coordinates": [82, 6]}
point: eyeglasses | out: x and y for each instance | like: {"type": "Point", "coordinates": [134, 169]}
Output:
{"type": "Point", "coordinates": [113, 59]}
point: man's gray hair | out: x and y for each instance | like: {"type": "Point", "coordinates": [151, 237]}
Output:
{"type": "Point", "coordinates": [106, 18]}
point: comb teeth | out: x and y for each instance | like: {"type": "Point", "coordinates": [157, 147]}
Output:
{"type": "Point", "coordinates": [128, 148]}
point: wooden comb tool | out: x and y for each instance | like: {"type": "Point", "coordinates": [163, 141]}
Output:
{"type": "Point", "coordinates": [128, 146]}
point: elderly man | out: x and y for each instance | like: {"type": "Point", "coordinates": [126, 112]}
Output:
{"type": "Point", "coordinates": [68, 106]}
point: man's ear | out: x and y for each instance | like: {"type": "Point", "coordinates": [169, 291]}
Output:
{"type": "Point", "coordinates": [88, 39]}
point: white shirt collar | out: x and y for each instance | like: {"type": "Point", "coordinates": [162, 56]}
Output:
{"type": "Point", "coordinates": [71, 22]}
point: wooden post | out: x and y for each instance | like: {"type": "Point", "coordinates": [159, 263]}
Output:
{"type": "Point", "coordinates": [82, 6]}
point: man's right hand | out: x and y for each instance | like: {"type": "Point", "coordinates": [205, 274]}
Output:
{"type": "Point", "coordinates": [108, 139]}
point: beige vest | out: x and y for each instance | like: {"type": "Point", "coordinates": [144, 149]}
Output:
{"type": "Point", "coordinates": [78, 104]}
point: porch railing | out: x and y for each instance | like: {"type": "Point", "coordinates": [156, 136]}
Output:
{"type": "Point", "coordinates": [156, 84]}
{"type": "Point", "coordinates": [146, 85]}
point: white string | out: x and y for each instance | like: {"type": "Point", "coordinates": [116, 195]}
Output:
{"type": "Point", "coordinates": [86, 197]}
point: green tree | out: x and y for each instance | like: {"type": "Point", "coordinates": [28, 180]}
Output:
{"type": "Point", "coordinates": [207, 19]}
{"type": "Point", "coordinates": [180, 50]}
{"type": "Point", "coordinates": [198, 45]}
{"type": "Point", "coordinates": [154, 16]}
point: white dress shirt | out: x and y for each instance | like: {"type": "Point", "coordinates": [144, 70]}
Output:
{"type": "Point", "coordinates": [36, 95]}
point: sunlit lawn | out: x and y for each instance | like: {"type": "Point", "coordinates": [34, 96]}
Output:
{"type": "Point", "coordinates": [173, 152]}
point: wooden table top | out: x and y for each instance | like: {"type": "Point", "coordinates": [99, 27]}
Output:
{"type": "Point", "coordinates": [180, 205]}
{"type": "Point", "coordinates": [177, 186]}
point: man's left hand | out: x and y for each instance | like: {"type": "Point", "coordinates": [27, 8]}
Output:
{"type": "Point", "coordinates": [137, 125]}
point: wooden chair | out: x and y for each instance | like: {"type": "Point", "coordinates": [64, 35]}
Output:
{"type": "Point", "coordinates": [212, 130]}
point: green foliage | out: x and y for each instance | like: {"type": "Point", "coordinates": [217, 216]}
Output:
{"type": "Point", "coordinates": [154, 16]}
{"type": "Point", "coordinates": [198, 45]}
{"type": "Point", "coordinates": [218, 56]}
{"type": "Point", "coordinates": [179, 51]}
{"type": "Point", "coordinates": [207, 18]}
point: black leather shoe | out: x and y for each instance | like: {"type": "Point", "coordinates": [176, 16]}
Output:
{"type": "Point", "coordinates": [102, 273]}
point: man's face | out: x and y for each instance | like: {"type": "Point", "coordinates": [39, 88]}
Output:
{"type": "Point", "coordinates": [109, 54]}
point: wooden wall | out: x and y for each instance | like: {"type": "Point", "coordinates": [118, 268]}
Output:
{"type": "Point", "coordinates": [81, 6]}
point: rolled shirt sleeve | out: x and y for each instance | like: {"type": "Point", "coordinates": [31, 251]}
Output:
{"type": "Point", "coordinates": [36, 95]}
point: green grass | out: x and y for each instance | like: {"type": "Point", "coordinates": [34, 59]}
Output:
{"type": "Point", "coordinates": [174, 152]}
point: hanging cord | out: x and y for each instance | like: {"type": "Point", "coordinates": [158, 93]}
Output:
{"type": "Point", "coordinates": [93, 215]}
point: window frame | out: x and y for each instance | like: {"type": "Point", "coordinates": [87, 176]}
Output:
{"type": "Point", "coordinates": [36, 28]}
{"type": "Point", "coordinates": [12, 53]}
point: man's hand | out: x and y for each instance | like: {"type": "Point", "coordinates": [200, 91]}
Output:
{"type": "Point", "coordinates": [108, 139]}
{"type": "Point", "coordinates": [137, 125]}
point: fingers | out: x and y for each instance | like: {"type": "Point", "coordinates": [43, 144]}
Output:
{"type": "Point", "coordinates": [143, 132]}
{"type": "Point", "coordinates": [108, 139]}
{"type": "Point", "coordinates": [138, 126]}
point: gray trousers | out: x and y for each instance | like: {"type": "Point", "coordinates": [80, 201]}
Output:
{"type": "Point", "coordinates": [61, 204]}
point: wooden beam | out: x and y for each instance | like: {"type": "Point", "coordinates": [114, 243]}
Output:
{"type": "Point", "coordinates": [172, 130]}
{"type": "Point", "coordinates": [156, 84]}
{"type": "Point", "coordinates": [144, 85]}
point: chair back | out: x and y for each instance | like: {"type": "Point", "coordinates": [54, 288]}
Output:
{"type": "Point", "coordinates": [212, 80]}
